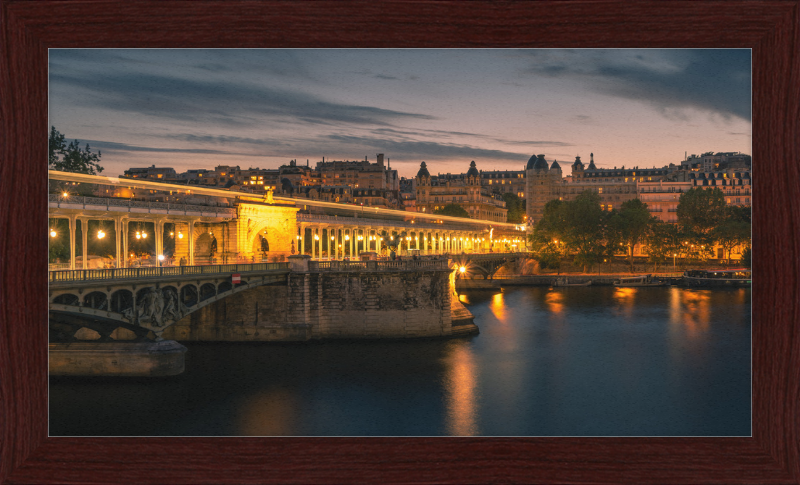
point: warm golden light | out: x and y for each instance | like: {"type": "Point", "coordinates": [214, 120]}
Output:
{"type": "Point", "coordinates": [180, 235]}
{"type": "Point", "coordinates": [100, 234]}
{"type": "Point", "coordinates": [65, 194]}
{"type": "Point", "coordinates": [138, 235]}
{"type": "Point", "coordinates": [144, 235]}
{"type": "Point", "coordinates": [53, 233]}
{"type": "Point", "coordinates": [316, 237]}
{"type": "Point", "coordinates": [462, 269]}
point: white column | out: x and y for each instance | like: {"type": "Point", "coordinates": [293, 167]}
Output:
{"type": "Point", "coordinates": [123, 236]}
{"type": "Point", "coordinates": [158, 228]}
{"type": "Point", "coordinates": [191, 242]}
{"type": "Point", "coordinates": [85, 241]}
{"type": "Point", "coordinates": [118, 240]}
{"type": "Point", "coordinates": [313, 239]}
{"type": "Point", "coordinates": [300, 246]}
{"type": "Point", "coordinates": [72, 242]}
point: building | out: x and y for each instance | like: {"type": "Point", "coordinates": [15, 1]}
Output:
{"type": "Point", "coordinates": [358, 175]}
{"type": "Point", "coordinates": [505, 181]}
{"type": "Point", "coordinates": [662, 197]}
{"type": "Point", "coordinates": [151, 173]}
{"type": "Point", "coordinates": [466, 190]}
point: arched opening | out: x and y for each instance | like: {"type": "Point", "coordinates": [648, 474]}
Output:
{"type": "Point", "coordinates": [67, 299]}
{"type": "Point", "coordinates": [97, 300]}
{"type": "Point", "coordinates": [224, 286]}
{"type": "Point", "coordinates": [121, 300]}
{"type": "Point", "coordinates": [207, 291]}
{"type": "Point", "coordinates": [205, 249]}
{"type": "Point", "coordinates": [189, 295]}
{"type": "Point", "coordinates": [261, 245]}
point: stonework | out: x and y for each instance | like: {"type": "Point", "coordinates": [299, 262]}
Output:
{"type": "Point", "coordinates": [330, 305]}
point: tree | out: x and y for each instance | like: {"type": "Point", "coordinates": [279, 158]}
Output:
{"type": "Point", "coordinates": [630, 225]}
{"type": "Point", "coordinates": [584, 233]}
{"type": "Point", "coordinates": [453, 210]}
{"type": "Point", "coordinates": [747, 257]}
{"type": "Point", "coordinates": [514, 206]}
{"type": "Point", "coordinates": [699, 211]}
{"type": "Point", "coordinates": [547, 240]}
{"type": "Point", "coordinates": [71, 158]}
{"type": "Point", "coordinates": [731, 233]}
{"type": "Point", "coordinates": [663, 241]}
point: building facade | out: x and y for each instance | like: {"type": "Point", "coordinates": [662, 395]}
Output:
{"type": "Point", "coordinates": [466, 190]}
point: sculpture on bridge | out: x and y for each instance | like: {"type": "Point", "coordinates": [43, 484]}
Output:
{"type": "Point", "coordinates": [392, 242]}
{"type": "Point", "coordinates": [157, 308]}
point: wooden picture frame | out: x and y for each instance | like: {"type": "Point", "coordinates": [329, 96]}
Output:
{"type": "Point", "coordinates": [29, 28]}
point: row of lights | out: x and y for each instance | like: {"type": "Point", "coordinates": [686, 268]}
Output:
{"type": "Point", "coordinates": [139, 234]}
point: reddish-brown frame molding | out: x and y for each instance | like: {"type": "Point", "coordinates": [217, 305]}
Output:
{"type": "Point", "coordinates": [29, 28]}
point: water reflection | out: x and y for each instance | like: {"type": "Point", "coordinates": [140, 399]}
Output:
{"type": "Point", "coordinates": [554, 301]}
{"type": "Point", "coordinates": [270, 413]}
{"type": "Point", "coordinates": [625, 298]}
{"type": "Point", "coordinates": [696, 313]}
{"type": "Point", "coordinates": [460, 389]}
{"type": "Point", "coordinates": [497, 306]}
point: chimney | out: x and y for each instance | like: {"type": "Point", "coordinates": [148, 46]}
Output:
{"type": "Point", "coordinates": [380, 159]}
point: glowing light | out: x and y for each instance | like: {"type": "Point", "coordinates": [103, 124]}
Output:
{"type": "Point", "coordinates": [53, 233]}
{"type": "Point", "coordinates": [346, 237]}
{"type": "Point", "coordinates": [144, 235]}
{"type": "Point", "coordinates": [180, 235]}
{"type": "Point", "coordinates": [138, 235]}
{"type": "Point", "coordinates": [462, 269]}
{"type": "Point", "coordinates": [161, 257]}
{"type": "Point", "coordinates": [100, 234]}
{"type": "Point", "coordinates": [171, 233]}
{"type": "Point", "coordinates": [316, 237]}
{"type": "Point", "coordinates": [65, 194]}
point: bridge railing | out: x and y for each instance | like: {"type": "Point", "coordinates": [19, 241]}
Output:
{"type": "Point", "coordinates": [128, 273]}
{"type": "Point", "coordinates": [409, 265]}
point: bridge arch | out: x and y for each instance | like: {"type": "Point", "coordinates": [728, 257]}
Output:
{"type": "Point", "coordinates": [67, 299]}
{"type": "Point", "coordinates": [207, 290]}
{"type": "Point", "coordinates": [189, 295]}
{"type": "Point", "coordinates": [204, 249]}
{"type": "Point", "coordinates": [97, 300]}
{"type": "Point", "coordinates": [121, 300]}
{"type": "Point", "coordinates": [224, 286]}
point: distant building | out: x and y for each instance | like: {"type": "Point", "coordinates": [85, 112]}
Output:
{"type": "Point", "coordinates": [466, 190]}
{"type": "Point", "coordinates": [151, 173]}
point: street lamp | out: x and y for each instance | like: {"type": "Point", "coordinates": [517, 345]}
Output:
{"type": "Point", "coordinates": [160, 259]}
{"type": "Point", "coordinates": [100, 234]}
{"type": "Point", "coordinates": [53, 233]}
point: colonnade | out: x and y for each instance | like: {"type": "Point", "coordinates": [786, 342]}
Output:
{"type": "Point", "coordinates": [337, 241]}
{"type": "Point", "coordinates": [184, 232]}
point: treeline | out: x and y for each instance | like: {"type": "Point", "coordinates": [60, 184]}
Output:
{"type": "Point", "coordinates": [581, 229]}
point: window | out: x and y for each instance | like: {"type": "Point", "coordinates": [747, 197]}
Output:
{"type": "Point", "coordinates": [600, 190]}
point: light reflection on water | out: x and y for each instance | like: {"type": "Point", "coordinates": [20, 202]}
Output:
{"type": "Point", "coordinates": [582, 361]}
{"type": "Point", "coordinates": [460, 384]}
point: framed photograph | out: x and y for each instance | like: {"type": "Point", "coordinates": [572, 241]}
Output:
{"type": "Point", "coordinates": [28, 454]}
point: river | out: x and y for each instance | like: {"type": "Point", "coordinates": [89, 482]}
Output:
{"type": "Point", "coordinates": [580, 361]}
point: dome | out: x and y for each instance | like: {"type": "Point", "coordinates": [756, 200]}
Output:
{"type": "Point", "coordinates": [555, 165]}
{"type": "Point", "coordinates": [473, 171]}
{"type": "Point", "coordinates": [286, 185]}
{"type": "Point", "coordinates": [423, 170]}
{"type": "Point", "coordinates": [536, 162]}
{"type": "Point", "coordinates": [578, 165]}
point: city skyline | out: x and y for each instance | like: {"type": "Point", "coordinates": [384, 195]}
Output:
{"type": "Point", "coordinates": [261, 108]}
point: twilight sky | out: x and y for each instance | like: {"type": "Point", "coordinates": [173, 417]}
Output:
{"type": "Point", "coordinates": [198, 108]}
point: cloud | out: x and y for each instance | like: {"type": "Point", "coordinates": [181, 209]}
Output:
{"type": "Point", "coordinates": [461, 134]}
{"type": "Point", "coordinates": [427, 150]}
{"type": "Point", "coordinates": [111, 147]}
{"type": "Point", "coordinates": [716, 80]}
{"type": "Point", "coordinates": [213, 101]}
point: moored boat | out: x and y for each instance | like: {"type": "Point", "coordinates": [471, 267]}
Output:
{"type": "Point", "coordinates": [644, 280]}
{"type": "Point", "coordinates": [731, 278]}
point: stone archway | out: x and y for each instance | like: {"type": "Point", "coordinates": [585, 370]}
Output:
{"type": "Point", "coordinates": [260, 244]}
{"type": "Point", "coordinates": [205, 249]}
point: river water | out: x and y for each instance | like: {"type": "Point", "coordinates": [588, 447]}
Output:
{"type": "Point", "coordinates": [581, 361]}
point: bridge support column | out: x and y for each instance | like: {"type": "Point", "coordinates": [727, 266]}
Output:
{"type": "Point", "coordinates": [118, 240]}
{"type": "Point", "coordinates": [72, 242]}
{"type": "Point", "coordinates": [158, 228]}
{"type": "Point", "coordinates": [84, 242]}
{"type": "Point", "coordinates": [191, 243]}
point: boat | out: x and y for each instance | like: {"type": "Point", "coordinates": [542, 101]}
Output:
{"type": "Point", "coordinates": [731, 278]}
{"type": "Point", "coordinates": [565, 282]}
{"type": "Point", "coordinates": [644, 280]}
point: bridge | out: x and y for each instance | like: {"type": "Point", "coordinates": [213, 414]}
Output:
{"type": "Point", "coordinates": [486, 264]}
{"type": "Point", "coordinates": [126, 223]}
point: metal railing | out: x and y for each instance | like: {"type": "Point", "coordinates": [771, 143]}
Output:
{"type": "Point", "coordinates": [405, 265]}
{"type": "Point", "coordinates": [131, 273]}
{"type": "Point", "coordinates": [112, 203]}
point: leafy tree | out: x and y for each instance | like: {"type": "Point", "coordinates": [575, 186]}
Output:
{"type": "Point", "coordinates": [630, 225]}
{"type": "Point", "coordinates": [731, 233]}
{"type": "Point", "coordinates": [453, 210]}
{"type": "Point", "coordinates": [663, 242]}
{"type": "Point", "coordinates": [514, 206]}
{"type": "Point", "coordinates": [59, 244]}
{"type": "Point", "coordinates": [547, 240]}
{"type": "Point", "coordinates": [699, 211]}
{"type": "Point", "coordinates": [739, 213]}
{"type": "Point", "coordinates": [747, 257]}
{"type": "Point", "coordinates": [584, 233]}
{"type": "Point", "coordinates": [71, 158]}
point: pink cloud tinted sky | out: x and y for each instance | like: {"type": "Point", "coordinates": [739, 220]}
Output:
{"type": "Point", "coordinates": [261, 108]}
